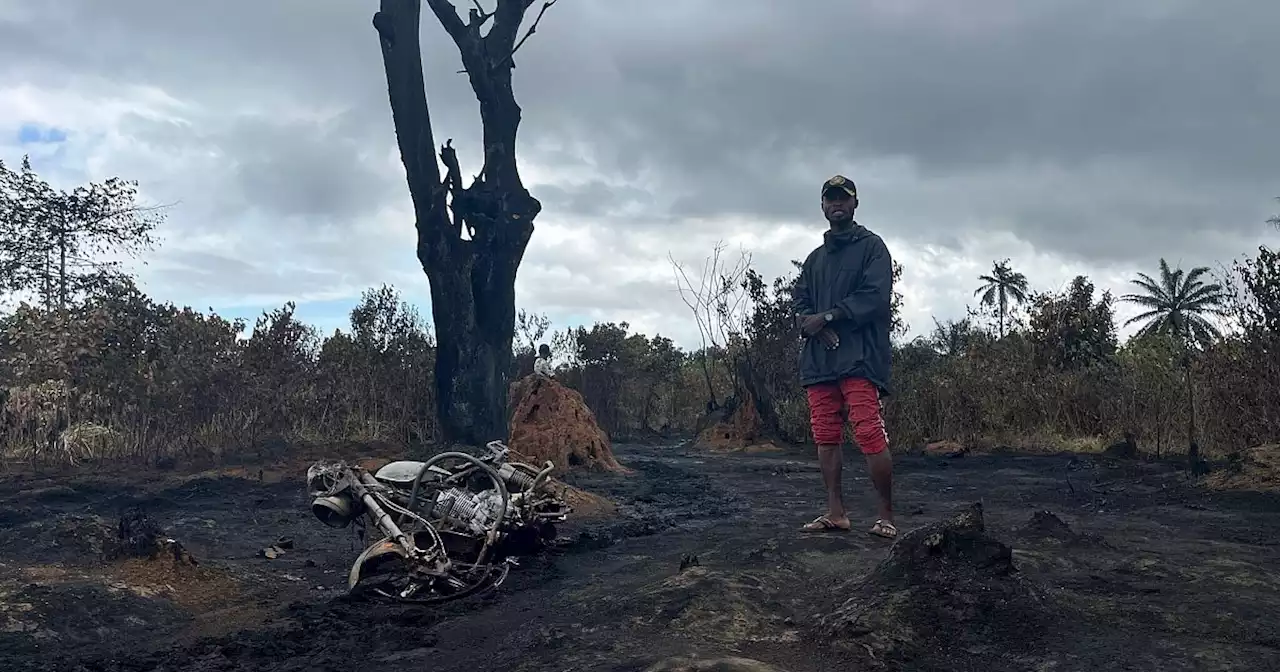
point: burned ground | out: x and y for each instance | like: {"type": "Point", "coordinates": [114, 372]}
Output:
{"type": "Point", "coordinates": [1081, 564]}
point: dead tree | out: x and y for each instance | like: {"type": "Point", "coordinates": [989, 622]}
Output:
{"type": "Point", "coordinates": [722, 303]}
{"type": "Point", "coordinates": [717, 303]}
{"type": "Point", "coordinates": [470, 239]}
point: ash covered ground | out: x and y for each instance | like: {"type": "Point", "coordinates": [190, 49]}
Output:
{"type": "Point", "coordinates": [1075, 563]}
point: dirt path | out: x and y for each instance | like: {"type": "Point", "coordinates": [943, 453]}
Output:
{"type": "Point", "coordinates": [1151, 575]}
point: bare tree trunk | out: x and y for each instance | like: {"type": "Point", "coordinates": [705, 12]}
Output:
{"type": "Point", "coordinates": [1193, 447]}
{"type": "Point", "coordinates": [712, 402]}
{"type": "Point", "coordinates": [46, 281]}
{"type": "Point", "coordinates": [62, 270]}
{"type": "Point", "coordinates": [470, 240]}
{"type": "Point", "coordinates": [1003, 308]}
{"type": "Point", "coordinates": [766, 407]}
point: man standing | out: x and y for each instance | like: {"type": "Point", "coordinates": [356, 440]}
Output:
{"type": "Point", "coordinates": [842, 304]}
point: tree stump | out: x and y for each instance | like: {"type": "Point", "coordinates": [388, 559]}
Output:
{"type": "Point", "coordinates": [139, 536]}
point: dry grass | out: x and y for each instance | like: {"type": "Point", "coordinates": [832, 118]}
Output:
{"type": "Point", "coordinates": [217, 602]}
{"type": "Point", "coordinates": [1256, 469]}
{"type": "Point", "coordinates": [1042, 443]}
{"type": "Point", "coordinates": [1050, 444]}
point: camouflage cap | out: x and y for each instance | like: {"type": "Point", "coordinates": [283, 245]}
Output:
{"type": "Point", "coordinates": [842, 183]}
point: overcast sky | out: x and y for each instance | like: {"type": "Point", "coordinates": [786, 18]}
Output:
{"type": "Point", "coordinates": [1072, 136]}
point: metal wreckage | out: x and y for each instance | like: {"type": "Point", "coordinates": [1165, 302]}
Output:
{"type": "Point", "coordinates": [445, 532]}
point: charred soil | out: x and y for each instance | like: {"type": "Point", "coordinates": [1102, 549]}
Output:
{"type": "Point", "coordinates": [1068, 563]}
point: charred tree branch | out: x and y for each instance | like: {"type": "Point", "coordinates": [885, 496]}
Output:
{"type": "Point", "coordinates": [447, 14]}
{"type": "Point", "coordinates": [533, 28]}
{"type": "Point", "coordinates": [453, 183]}
{"type": "Point", "coordinates": [478, 16]}
{"type": "Point", "coordinates": [397, 26]}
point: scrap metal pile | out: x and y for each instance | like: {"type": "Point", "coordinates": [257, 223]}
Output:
{"type": "Point", "coordinates": [444, 532]}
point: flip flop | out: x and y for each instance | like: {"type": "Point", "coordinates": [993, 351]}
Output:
{"type": "Point", "coordinates": [823, 524]}
{"type": "Point", "coordinates": [885, 529]}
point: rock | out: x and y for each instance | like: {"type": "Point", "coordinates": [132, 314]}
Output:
{"type": "Point", "coordinates": [271, 552]}
{"type": "Point", "coordinates": [1046, 525]}
{"type": "Point", "coordinates": [693, 664]}
{"type": "Point", "coordinates": [945, 449]}
{"type": "Point", "coordinates": [1257, 468]}
{"type": "Point", "coordinates": [944, 587]}
{"type": "Point", "coordinates": [552, 422]}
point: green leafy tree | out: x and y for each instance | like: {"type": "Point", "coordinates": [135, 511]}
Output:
{"type": "Point", "coordinates": [1001, 286]}
{"type": "Point", "coordinates": [1257, 306]}
{"type": "Point", "coordinates": [1071, 331]}
{"type": "Point", "coordinates": [609, 356]}
{"type": "Point", "coordinates": [1180, 304]}
{"type": "Point", "coordinates": [58, 244]}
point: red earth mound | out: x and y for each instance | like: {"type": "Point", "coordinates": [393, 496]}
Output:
{"type": "Point", "coordinates": [552, 422]}
{"type": "Point", "coordinates": [739, 429]}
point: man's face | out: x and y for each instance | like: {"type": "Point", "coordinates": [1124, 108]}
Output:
{"type": "Point", "coordinates": [837, 205]}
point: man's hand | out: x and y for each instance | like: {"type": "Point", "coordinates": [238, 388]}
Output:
{"type": "Point", "coordinates": [812, 324]}
{"type": "Point", "coordinates": [829, 338]}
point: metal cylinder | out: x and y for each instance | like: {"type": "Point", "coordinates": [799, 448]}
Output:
{"type": "Point", "coordinates": [455, 506]}
{"type": "Point", "coordinates": [516, 477]}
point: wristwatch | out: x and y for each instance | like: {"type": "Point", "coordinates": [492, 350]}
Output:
{"type": "Point", "coordinates": [829, 316]}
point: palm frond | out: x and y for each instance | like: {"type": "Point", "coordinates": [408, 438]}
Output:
{"type": "Point", "coordinates": [1155, 302]}
{"type": "Point", "coordinates": [1143, 317]}
{"type": "Point", "coordinates": [1214, 293]}
{"type": "Point", "coordinates": [1193, 276]}
{"type": "Point", "coordinates": [1146, 282]}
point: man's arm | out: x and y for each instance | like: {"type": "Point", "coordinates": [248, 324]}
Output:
{"type": "Point", "coordinates": [874, 298]}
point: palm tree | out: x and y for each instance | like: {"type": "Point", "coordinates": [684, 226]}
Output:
{"type": "Point", "coordinates": [1002, 285]}
{"type": "Point", "coordinates": [1179, 305]}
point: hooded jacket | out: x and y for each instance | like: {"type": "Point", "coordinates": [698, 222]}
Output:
{"type": "Point", "coordinates": [851, 274]}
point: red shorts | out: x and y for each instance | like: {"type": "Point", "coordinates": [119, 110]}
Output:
{"type": "Point", "coordinates": [862, 399]}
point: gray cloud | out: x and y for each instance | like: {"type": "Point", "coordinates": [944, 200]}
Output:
{"type": "Point", "coordinates": [1099, 134]}
{"type": "Point", "coordinates": [224, 278]}
{"type": "Point", "coordinates": [305, 170]}
{"type": "Point", "coordinates": [596, 199]}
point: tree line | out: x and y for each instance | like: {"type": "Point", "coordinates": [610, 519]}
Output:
{"type": "Point", "coordinates": [91, 367]}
